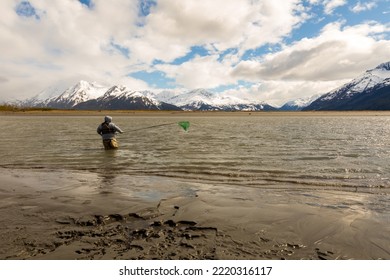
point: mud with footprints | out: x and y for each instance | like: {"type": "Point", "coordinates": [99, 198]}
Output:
{"type": "Point", "coordinates": [144, 236]}
{"type": "Point", "coordinates": [80, 222]}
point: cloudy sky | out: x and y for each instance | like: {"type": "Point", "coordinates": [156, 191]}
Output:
{"type": "Point", "coordinates": [269, 50]}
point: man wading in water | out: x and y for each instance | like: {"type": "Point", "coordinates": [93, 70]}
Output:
{"type": "Point", "coordinates": [107, 130]}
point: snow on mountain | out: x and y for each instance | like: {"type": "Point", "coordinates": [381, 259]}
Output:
{"type": "Point", "coordinates": [364, 82]}
{"type": "Point", "coordinates": [166, 95]}
{"type": "Point", "coordinates": [359, 94]}
{"type": "Point", "coordinates": [201, 99]}
{"type": "Point", "coordinates": [123, 98]}
{"type": "Point", "coordinates": [113, 92]}
{"type": "Point", "coordinates": [124, 93]}
{"type": "Point", "coordinates": [92, 96]}
{"type": "Point", "coordinates": [81, 92]}
{"type": "Point", "coordinates": [197, 96]}
{"type": "Point", "coordinates": [298, 104]}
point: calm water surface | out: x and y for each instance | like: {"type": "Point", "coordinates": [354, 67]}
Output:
{"type": "Point", "coordinates": [260, 151]}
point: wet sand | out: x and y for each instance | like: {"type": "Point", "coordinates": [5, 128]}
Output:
{"type": "Point", "coordinates": [64, 215]}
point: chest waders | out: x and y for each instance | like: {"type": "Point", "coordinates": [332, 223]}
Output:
{"type": "Point", "coordinates": [109, 143]}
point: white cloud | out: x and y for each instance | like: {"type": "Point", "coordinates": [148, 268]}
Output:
{"type": "Point", "coordinates": [360, 7]}
{"type": "Point", "coordinates": [66, 43]}
{"type": "Point", "coordinates": [331, 5]}
{"type": "Point", "coordinates": [200, 72]}
{"type": "Point", "coordinates": [277, 92]}
{"type": "Point", "coordinates": [307, 67]}
{"type": "Point", "coordinates": [317, 65]}
{"type": "Point", "coordinates": [175, 26]}
{"type": "Point", "coordinates": [107, 43]}
{"type": "Point", "coordinates": [337, 53]}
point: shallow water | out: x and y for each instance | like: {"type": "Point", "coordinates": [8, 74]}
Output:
{"type": "Point", "coordinates": [257, 151]}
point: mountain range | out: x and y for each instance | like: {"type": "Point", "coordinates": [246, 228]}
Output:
{"type": "Point", "coordinates": [369, 91]}
{"type": "Point", "coordinates": [91, 96]}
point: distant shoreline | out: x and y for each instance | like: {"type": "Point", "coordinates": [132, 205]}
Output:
{"type": "Point", "coordinates": [58, 112]}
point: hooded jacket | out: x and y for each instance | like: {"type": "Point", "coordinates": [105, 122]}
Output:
{"type": "Point", "coordinates": [108, 129]}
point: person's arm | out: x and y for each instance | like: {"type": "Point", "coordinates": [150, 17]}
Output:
{"type": "Point", "coordinates": [99, 130]}
{"type": "Point", "coordinates": [116, 128]}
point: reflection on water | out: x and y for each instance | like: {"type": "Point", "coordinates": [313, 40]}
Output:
{"type": "Point", "coordinates": [254, 151]}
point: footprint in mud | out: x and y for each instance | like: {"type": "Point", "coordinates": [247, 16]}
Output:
{"type": "Point", "coordinates": [173, 240]}
{"type": "Point", "coordinates": [144, 236]}
{"type": "Point", "coordinates": [324, 255]}
{"type": "Point", "coordinates": [132, 236]}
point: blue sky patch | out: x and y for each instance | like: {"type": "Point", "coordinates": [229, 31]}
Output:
{"type": "Point", "coordinates": [25, 9]}
{"type": "Point", "coordinates": [258, 52]}
{"type": "Point", "coordinates": [155, 79]}
{"type": "Point", "coordinates": [144, 7]}
{"type": "Point", "coordinates": [122, 50]}
{"type": "Point", "coordinates": [227, 52]}
{"type": "Point", "coordinates": [195, 51]}
{"type": "Point", "coordinates": [87, 3]}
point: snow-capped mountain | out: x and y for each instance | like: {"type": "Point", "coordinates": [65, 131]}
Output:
{"type": "Point", "coordinates": [122, 98]}
{"type": "Point", "coordinates": [370, 91]}
{"type": "Point", "coordinates": [91, 96]}
{"type": "Point", "coordinates": [299, 104]}
{"type": "Point", "coordinates": [65, 99]}
{"type": "Point", "coordinates": [79, 93]}
{"type": "Point", "coordinates": [202, 100]}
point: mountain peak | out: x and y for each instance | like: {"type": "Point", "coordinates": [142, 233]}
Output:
{"type": "Point", "coordinates": [384, 66]}
{"type": "Point", "coordinates": [115, 90]}
{"type": "Point", "coordinates": [82, 82]}
{"type": "Point", "coordinates": [201, 91]}
{"type": "Point", "coordinates": [84, 85]}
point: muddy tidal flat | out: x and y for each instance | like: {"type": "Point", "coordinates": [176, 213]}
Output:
{"type": "Point", "coordinates": [239, 185]}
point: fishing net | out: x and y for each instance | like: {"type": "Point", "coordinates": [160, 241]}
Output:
{"type": "Point", "coordinates": [185, 125]}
